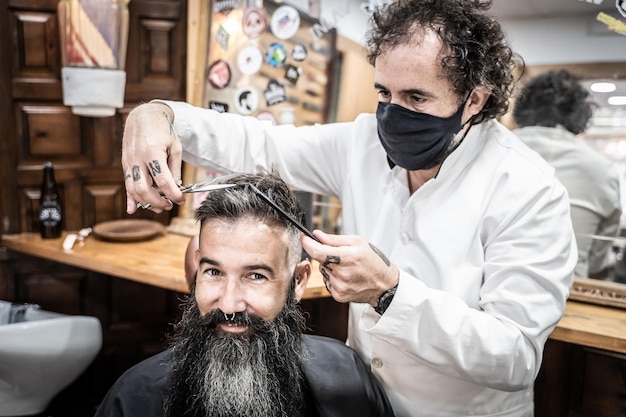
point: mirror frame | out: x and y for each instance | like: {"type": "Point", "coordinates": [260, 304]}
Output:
{"type": "Point", "coordinates": [606, 293]}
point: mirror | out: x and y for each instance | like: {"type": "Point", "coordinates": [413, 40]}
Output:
{"type": "Point", "coordinates": [607, 135]}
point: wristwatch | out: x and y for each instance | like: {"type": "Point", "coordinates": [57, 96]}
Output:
{"type": "Point", "coordinates": [385, 299]}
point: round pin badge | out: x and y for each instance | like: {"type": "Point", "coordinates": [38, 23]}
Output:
{"type": "Point", "coordinates": [285, 22]}
{"type": "Point", "coordinates": [267, 116]}
{"type": "Point", "coordinates": [219, 74]}
{"type": "Point", "coordinates": [276, 54]}
{"type": "Point", "coordinates": [299, 52]}
{"type": "Point", "coordinates": [249, 60]}
{"type": "Point", "coordinates": [246, 100]}
{"type": "Point", "coordinates": [254, 22]}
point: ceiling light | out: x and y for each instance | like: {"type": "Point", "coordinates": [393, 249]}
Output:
{"type": "Point", "coordinates": [603, 87]}
{"type": "Point", "coordinates": [617, 101]}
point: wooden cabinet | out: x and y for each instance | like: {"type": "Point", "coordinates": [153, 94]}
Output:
{"type": "Point", "coordinates": [37, 127]}
{"type": "Point", "coordinates": [578, 381]}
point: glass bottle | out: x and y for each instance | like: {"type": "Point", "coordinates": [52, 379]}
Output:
{"type": "Point", "coordinates": [50, 216]}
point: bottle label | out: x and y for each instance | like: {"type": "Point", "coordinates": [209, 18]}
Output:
{"type": "Point", "coordinates": [50, 215]}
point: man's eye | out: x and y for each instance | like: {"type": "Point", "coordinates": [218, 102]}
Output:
{"type": "Point", "coordinates": [211, 272]}
{"type": "Point", "coordinates": [255, 276]}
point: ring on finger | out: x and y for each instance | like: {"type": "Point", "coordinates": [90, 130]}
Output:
{"type": "Point", "coordinates": [142, 206]}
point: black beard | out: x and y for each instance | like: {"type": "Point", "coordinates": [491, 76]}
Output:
{"type": "Point", "coordinates": [219, 374]}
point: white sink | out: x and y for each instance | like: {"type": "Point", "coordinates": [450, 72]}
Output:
{"type": "Point", "coordinates": [41, 352]}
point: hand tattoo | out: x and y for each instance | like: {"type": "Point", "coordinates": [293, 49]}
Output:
{"type": "Point", "coordinates": [136, 173]}
{"type": "Point", "coordinates": [330, 259]}
{"type": "Point", "coordinates": [379, 253]}
{"type": "Point", "coordinates": [126, 174]}
{"type": "Point", "coordinates": [326, 279]}
{"type": "Point", "coordinates": [155, 167]}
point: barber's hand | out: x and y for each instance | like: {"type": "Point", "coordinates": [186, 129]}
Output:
{"type": "Point", "coordinates": [353, 269]}
{"type": "Point", "coordinates": [151, 159]}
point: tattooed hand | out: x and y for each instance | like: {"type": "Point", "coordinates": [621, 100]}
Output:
{"type": "Point", "coordinates": [151, 159]}
{"type": "Point", "coordinates": [353, 269]}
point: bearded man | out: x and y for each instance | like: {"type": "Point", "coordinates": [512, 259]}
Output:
{"type": "Point", "coordinates": [239, 349]}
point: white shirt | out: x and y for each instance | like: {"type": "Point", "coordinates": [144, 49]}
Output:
{"type": "Point", "coordinates": [592, 183]}
{"type": "Point", "coordinates": [485, 249]}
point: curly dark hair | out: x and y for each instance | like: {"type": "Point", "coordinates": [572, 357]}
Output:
{"type": "Point", "coordinates": [478, 53]}
{"type": "Point", "coordinates": [554, 98]}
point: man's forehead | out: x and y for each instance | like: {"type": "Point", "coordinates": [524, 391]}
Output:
{"type": "Point", "coordinates": [247, 236]}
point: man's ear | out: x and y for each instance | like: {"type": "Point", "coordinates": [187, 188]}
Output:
{"type": "Point", "coordinates": [301, 278]}
{"type": "Point", "coordinates": [192, 256]}
{"type": "Point", "coordinates": [477, 100]}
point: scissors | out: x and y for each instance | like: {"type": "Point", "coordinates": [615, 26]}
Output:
{"type": "Point", "coordinates": [216, 183]}
{"type": "Point", "coordinates": [203, 186]}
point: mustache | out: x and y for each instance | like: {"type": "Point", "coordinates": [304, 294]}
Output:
{"type": "Point", "coordinates": [214, 318]}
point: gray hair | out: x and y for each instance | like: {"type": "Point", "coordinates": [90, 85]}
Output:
{"type": "Point", "coordinates": [231, 204]}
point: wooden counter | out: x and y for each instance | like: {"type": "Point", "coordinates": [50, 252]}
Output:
{"type": "Point", "coordinates": [158, 262]}
{"type": "Point", "coordinates": [592, 326]}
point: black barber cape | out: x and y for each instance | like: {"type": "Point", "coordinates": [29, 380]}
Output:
{"type": "Point", "coordinates": [338, 384]}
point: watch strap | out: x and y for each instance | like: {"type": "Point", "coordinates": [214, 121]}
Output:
{"type": "Point", "coordinates": [385, 299]}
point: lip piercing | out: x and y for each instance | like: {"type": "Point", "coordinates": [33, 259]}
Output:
{"type": "Point", "coordinates": [147, 206]}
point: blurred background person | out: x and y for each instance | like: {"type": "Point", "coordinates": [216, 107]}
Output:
{"type": "Point", "coordinates": [551, 110]}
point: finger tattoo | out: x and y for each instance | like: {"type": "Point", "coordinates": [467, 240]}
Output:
{"type": "Point", "coordinates": [330, 259]}
{"type": "Point", "coordinates": [136, 173]}
{"type": "Point", "coordinates": [379, 253]}
{"type": "Point", "coordinates": [155, 167]}
{"type": "Point", "coordinates": [326, 279]}
{"type": "Point", "coordinates": [126, 174]}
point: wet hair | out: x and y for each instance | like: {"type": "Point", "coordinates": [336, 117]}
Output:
{"type": "Point", "coordinates": [475, 51]}
{"type": "Point", "coordinates": [554, 98]}
{"type": "Point", "coordinates": [234, 203]}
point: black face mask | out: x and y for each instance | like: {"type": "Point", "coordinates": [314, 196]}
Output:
{"type": "Point", "coordinates": [415, 140]}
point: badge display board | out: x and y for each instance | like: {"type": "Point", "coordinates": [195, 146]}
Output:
{"type": "Point", "coordinates": [268, 60]}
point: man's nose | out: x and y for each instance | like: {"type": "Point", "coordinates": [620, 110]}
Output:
{"type": "Point", "coordinates": [232, 299]}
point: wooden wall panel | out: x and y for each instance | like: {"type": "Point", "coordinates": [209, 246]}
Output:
{"type": "Point", "coordinates": [102, 202]}
{"type": "Point", "coordinates": [155, 65]}
{"type": "Point", "coordinates": [32, 57]}
{"type": "Point", "coordinates": [48, 131]}
{"type": "Point", "coordinates": [86, 151]}
{"type": "Point", "coordinates": [28, 199]}
{"type": "Point", "coordinates": [160, 36]}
